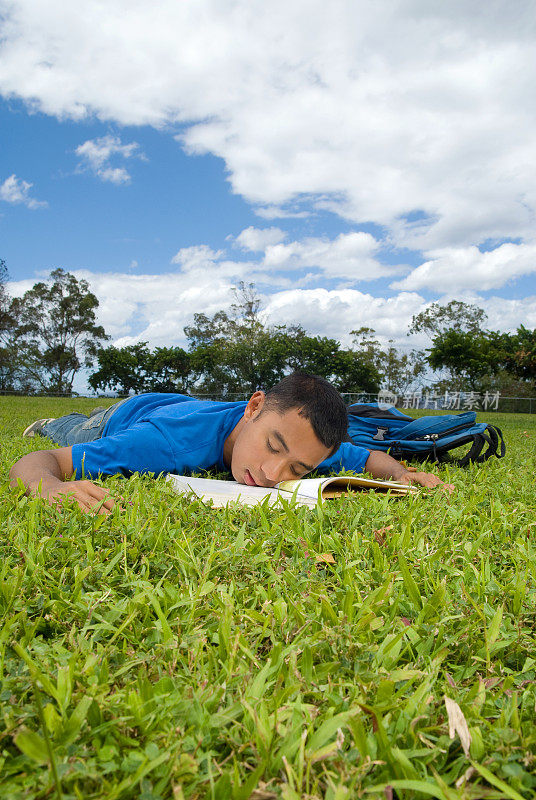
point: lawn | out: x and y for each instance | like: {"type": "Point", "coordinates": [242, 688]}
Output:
{"type": "Point", "coordinates": [173, 651]}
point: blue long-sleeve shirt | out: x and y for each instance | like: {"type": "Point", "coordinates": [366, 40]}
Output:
{"type": "Point", "coordinates": [175, 433]}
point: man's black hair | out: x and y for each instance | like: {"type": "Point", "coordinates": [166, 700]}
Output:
{"type": "Point", "coordinates": [318, 401]}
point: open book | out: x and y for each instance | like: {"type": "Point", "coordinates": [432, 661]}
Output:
{"type": "Point", "coordinates": [305, 492]}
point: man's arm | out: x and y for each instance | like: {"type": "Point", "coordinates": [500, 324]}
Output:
{"type": "Point", "coordinates": [44, 473]}
{"type": "Point", "coordinates": [382, 465]}
{"type": "Point", "coordinates": [379, 465]}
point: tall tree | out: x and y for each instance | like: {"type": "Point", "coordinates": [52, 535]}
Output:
{"type": "Point", "coordinates": [520, 350]}
{"type": "Point", "coordinates": [56, 332]}
{"type": "Point", "coordinates": [9, 372]}
{"type": "Point", "coordinates": [365, 343]}
{"type": "Point", "coordinates": [235, 352]}
{"type": "Point", "coordinates": [469, 355]}
{"type": "Point", "coordinates": [400, 371]}
{"type": "Point", "coordinates": [395, 371]}
{"type": "Point", "coordinates": [438, 318]}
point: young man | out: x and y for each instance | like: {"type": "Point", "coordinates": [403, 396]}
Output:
{"type": "Point", "coordinates": [297, 426]}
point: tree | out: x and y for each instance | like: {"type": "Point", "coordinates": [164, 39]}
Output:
{"type": "Point", "coordinates": [135, 368]}
{"type": "Point", "coordinates": [9, 372]}
{"type": "Point", "coordinates": [235, 352]}
{"type": "Point", "coordinates": [520, 350]}
{"type": "Point", "coordinates": [368, 346]}
{"type": "Point", "coordinates": [351, 373]}
{"type": "Point", "coordinates": [395, 371]}
{"type": "Point", "coordinates": [471, 358]}
{"type": "Point", "coordinates": [399, 370]}
{"type": "Point", "coordinates": [169, 369]}
{"type": "Point", "coordinates": [436, 319]}
{"type": "Point", "coordinates": [347, 370]}
{"type": "Point", "coordinates": [56, 332]}
{"type": "Point", "coordinates": [121, 369]}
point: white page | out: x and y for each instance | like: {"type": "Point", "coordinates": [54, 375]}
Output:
{"type": "Point", "coordinates": [223, 492]}
{"type": "Point", "coordinates": [307, 487]}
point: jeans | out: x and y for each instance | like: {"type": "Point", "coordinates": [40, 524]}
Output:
{"type": "Point", "coordinates": [77, 428]}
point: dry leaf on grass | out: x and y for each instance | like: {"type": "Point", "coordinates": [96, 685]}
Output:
{"type": "Point", "coordinates": [324, 558]}
{"type": "Point", "coordinates": [379, 534]}
{"type": "Point", "coordinates": [458, 724]}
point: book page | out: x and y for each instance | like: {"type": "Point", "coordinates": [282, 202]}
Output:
{"type": "Point", "coordinates": [221, 493]}
{"type": "Point", "coordinates": [339, 485]}
{"type": "Point", "coordinates": [304, 487]}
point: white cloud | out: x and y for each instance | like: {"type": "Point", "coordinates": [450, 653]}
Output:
{"type": "Point", "coordinates": [335, 313]}
{"type": "Point", "coordinates": [257, 239]}
{"type": "Point", "coordinates": [349, 256]}
{"type": "Point", "coordinates": [196, 256]}
{"type": "Point", "coordinates": [15, 191]}
{"type": "Point", "coordinates": [508, 315]}
{"type": "Point", "coordinates": [156, 308]}
{"type": "Point", "coordinates": [372, 110]}
{"type": "Point", "coordinates": [458, 269]}
{"type": "Point", "coordinates": [96, 154]}
{"type": "Point", "coordinates": [281, 212]}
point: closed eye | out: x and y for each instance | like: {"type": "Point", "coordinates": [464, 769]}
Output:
{"type": "Point", "coordinates": [270, 448]}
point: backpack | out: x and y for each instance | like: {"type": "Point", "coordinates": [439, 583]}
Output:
{"type": "Point", "coordinates": [378, 426]}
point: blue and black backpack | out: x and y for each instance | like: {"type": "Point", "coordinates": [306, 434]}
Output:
{"type": "Point", "coordinates": [377, 426]}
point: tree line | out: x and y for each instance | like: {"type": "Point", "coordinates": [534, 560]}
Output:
{"type": "Point", "coordinates": [51, 333]}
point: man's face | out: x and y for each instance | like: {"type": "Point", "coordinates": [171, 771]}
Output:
{"type": "Point", "coordinates": [271, 447]}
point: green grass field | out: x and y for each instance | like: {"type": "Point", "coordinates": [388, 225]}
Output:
{"type": "Point", "coordinates": [172, 651]}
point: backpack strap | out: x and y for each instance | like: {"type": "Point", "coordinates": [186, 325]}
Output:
{"type": "Point", "coordinates": [492, 436]}
{"type": "Point", "coordinates": [496, 446]}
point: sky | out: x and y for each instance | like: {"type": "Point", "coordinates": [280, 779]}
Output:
{"type": "Point", "coordinates": [356, 160]}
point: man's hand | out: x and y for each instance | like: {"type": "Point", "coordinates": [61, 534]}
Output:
{"type": "Point", "coordinates": [89, 497]}
{"type": "Point", "coordinates": [426, 479]}
{"type": "Point", "coordinates": [382, 465]}
{"type": "Point", "coordinates": [46, 473]}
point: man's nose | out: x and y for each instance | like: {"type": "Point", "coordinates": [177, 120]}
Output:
{"type": "Point", "coordinates": [273, 469]}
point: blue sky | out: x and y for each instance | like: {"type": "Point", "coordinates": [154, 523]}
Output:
{"type": "Point", "coordinates": [355, 168]}
{"type": "Point", "coordinates": [172, 199]}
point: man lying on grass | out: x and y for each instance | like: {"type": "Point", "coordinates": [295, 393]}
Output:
{"type": "Point", "coordinates": [297, 426]}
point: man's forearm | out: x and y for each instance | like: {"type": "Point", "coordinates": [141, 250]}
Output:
{"type": "Point", "coordinates": [382, 465]}
{"type": "Point", "coordinates": [45, 472]}
{"type": "Point", "coordinates": [38, 469]}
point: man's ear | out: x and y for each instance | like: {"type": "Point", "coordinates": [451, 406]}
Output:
{"type": "Point", "coordinates": [255, 405]}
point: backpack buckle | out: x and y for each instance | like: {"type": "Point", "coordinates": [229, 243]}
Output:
{"type": "Point", "coordinates": [380, 434]}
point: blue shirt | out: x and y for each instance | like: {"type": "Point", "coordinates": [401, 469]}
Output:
{"type": "Point", "coordinates": [176, 433]}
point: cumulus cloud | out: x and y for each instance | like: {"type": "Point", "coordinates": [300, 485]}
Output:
{"type": "Point", "coordinates": [335, 313]}
{"type": "Point", "coordinates": [197, 256]}
{"type": "Point", "coordinates": [16, 191]}
{"type": "Point", "coordinates": [256, 239]}
{"type": "Point", "coordinates": [156, 308]}
{"type": "Point", "coordinates": [468, 268]}
{"type": "Point", "coordinates": [95, 155]}
{"type": "Point", "coordinates": [348, 256]}
{"type": "Point", "coordinates": [419, 108]}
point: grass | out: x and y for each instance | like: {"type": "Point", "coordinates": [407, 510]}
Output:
{"type": "Point", "coordinates": [171, 651]}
